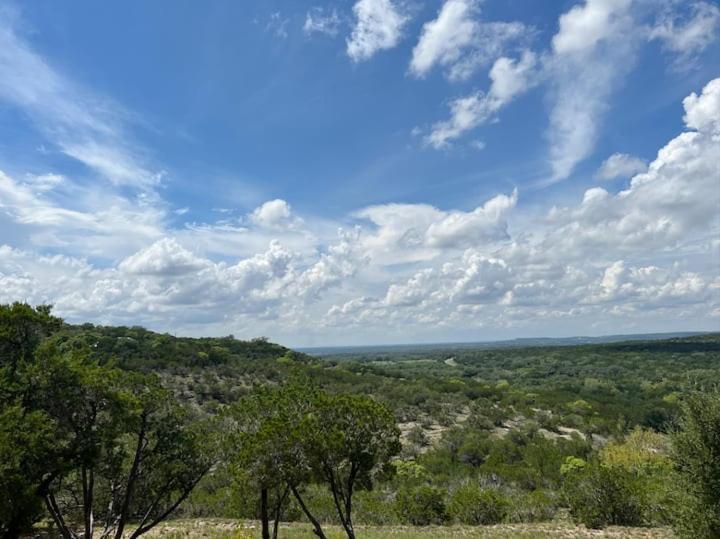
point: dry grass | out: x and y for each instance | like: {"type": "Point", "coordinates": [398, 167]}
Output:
{"type": "Point", "coordinates": [233, 529]}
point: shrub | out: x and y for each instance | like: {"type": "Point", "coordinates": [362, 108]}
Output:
{"type": "Point", "coordinates": [599, 496]}
{"type": "Point", "coordinates": [471, 504]}
{"type": "Point", "coordinates": [421, 506]}
{"type": "Point", "coordinates": [535, 506]}
{"type": "Point", "coordinates": [696, 453]}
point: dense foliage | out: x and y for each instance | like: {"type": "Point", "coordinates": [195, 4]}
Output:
{"type": "Point", "coordinates": [123, 418]}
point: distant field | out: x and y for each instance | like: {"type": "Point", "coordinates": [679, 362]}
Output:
{"type": "Point", "coordinates": [230, 529]}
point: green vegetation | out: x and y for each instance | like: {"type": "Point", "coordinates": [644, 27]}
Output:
{"type": "Point", "coordinates": [112, 430]}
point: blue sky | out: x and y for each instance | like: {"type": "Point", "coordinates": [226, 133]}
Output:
{"type": "Point", "coordinates": [363, 171]}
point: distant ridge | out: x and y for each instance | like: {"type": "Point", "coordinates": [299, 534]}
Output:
{"type": "Point", "coordinates": [521, 342]}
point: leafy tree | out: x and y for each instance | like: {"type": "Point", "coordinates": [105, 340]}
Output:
{"type": "Point", "coordinates": [355, 440]}
{"type": "Point", "coordinates": [78, 434]}
{"type": "Point", "coordinates": [22, 328]}
{"type": "Point", "coordinates": [696, 454]}
{"type": "Point", "coordinates": [25, 441]}
{"type": "Point", "coordinates": [270, 448]}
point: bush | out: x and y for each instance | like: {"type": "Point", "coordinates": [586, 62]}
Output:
{"type": "Point", "coordinates": [696, 453]}
{"type": "Point", "coordinates": [599, 496]}
{"type": "Point", "coordinates": [421, 506]}
{"type": "Point", "coordinates": [471, 504]}
{"type": "Point", "coordinates": [535, 506]}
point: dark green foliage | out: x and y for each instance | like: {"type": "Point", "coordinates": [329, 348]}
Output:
{"type": "Point", "coordinates": [25, 441]}
{"type": "Point", "coordinates": [486, 435]}
{"type": "Point", "coordinates": [696, 453]}
{"type": "Point", "coordinates": [600, 496]}
{"type": "Point", "coordinates": [472, 504]}
{"type": "Point", "coordinates": [77, 435]}
{"type": "Point", "coordinates": [421, 505]}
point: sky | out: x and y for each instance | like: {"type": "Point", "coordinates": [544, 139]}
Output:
{"type": "Point", "coordinates": [363, 171]}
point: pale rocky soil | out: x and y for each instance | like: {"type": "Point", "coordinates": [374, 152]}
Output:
{"type": "Point", "coordinates": [230, 529]}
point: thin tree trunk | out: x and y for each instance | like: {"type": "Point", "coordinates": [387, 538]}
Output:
{"type": "Point", "coordinates": [144, 529]}
{"type": "Point", "coordinates": [88, 480]}
{"type": "Point", "coordinates": [339, 496]}
{"type": "Point", "coordinates": [55, 513]}
{"type": "Point", "coordinates": [265, 521]}
{"type": "Point", "coordinates": [132, 476]}
{"type": "Point", "coordinates": [316, 524]}
{"type": "Point", "coordinates": [278, 512]}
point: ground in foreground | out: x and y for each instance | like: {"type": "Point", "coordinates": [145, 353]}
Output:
{"type": "Point", "coordinates": [229, 529]}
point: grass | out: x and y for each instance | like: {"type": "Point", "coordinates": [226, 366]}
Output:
{"type": "Point", "coordinates": [234, 529]}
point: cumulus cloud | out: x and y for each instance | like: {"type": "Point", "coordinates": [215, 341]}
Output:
{"type": "Point", "coordinates": [583, 262]}
{"type": "Point", "coordinates": [462, 43]}
{"type": "Point", "coordinates": [703, 112]}
{"type": "Point", "coordinates": [275, 214]}
{"type": "Point", "coordinates": [165, 257]}
{"type": "Point", "coordinates": [406, 232]}
{"type": "Point", "coordinates": [379, 25]}
{"type": "Point", "coordinates": [676, 197]}
{"type": "Point", "coordinates": [620, 165]}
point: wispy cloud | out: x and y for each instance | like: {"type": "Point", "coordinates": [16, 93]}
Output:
{"type": "Point", "coordinates": [87, 128]}
{"type": "Point", "coordinates": [318, 20]}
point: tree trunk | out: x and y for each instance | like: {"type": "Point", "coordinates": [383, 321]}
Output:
{"type": "Point", "coordinates": [317, 528]}
{"type": "Point", "coordinates": [278, 512]}
{"type": "Point", "coordinates": [88, 479]}
{"type": "Point", "coordinates": [132, 477]}
{"type": "Point", "coordinates": [264, 513]}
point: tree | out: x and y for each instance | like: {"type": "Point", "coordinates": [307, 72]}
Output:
{"type": "Point", "coordinates": [696, 454]}
{"type": "Point", "coordinates": [76, 434]}
{"type": "Point", "coordinates": [355, 440]}
{"type": "Point", "coordinates": [25, 441]}
{"type": "Point", "coordinates": [28, 440]}
{"type": "Point", "coordinates": [22, 328]}
{"type": "Point", "coordinates": [270, 446]}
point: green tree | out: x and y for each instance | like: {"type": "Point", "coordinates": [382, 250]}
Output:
{"type": "Point", "coordinates": [355, 440]}
{"type": "Point", "coordinates": [80, 435]}
{"type": "Point", "coordinates": [25, 441]}
{"type": "Point", "coordinates": [270, 445]}
{"type": "Point", "coordinates": [696, 454]}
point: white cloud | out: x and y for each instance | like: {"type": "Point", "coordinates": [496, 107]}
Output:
{"type": "Point", "coordinates": [379, 25]}
{"type": "Point", "coordinates": [275, 214]}
{"type": "Point", "coordinates": [689, 32]}
{"type": "Point", "coordinates": [456, 39]}
{"type": "Point", "coordinates": [411, 232]}
{"type": "Point", "coordinates": [509, 78]}
{"type": "Point", "coordinates": [620, 165]}
{"type": "Point", "coordinates": [165, 257]}
{"type": "Point", "coordinates": [703, 112]}
{"type": "Point", "coordinates": [277, 25]}
{"type": "Point", "coordinates": [593, 49]}
{"type": "Point", "coordinates": [463, 229]}
{"type": "Point", "coordinates": [588, 262]}
{"type": "Point", "coordinates": [317, 21]}
{"type": "Point", "coordinates": [585, 26]}
{"type": "Point", "coordinates": [83, 126]}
